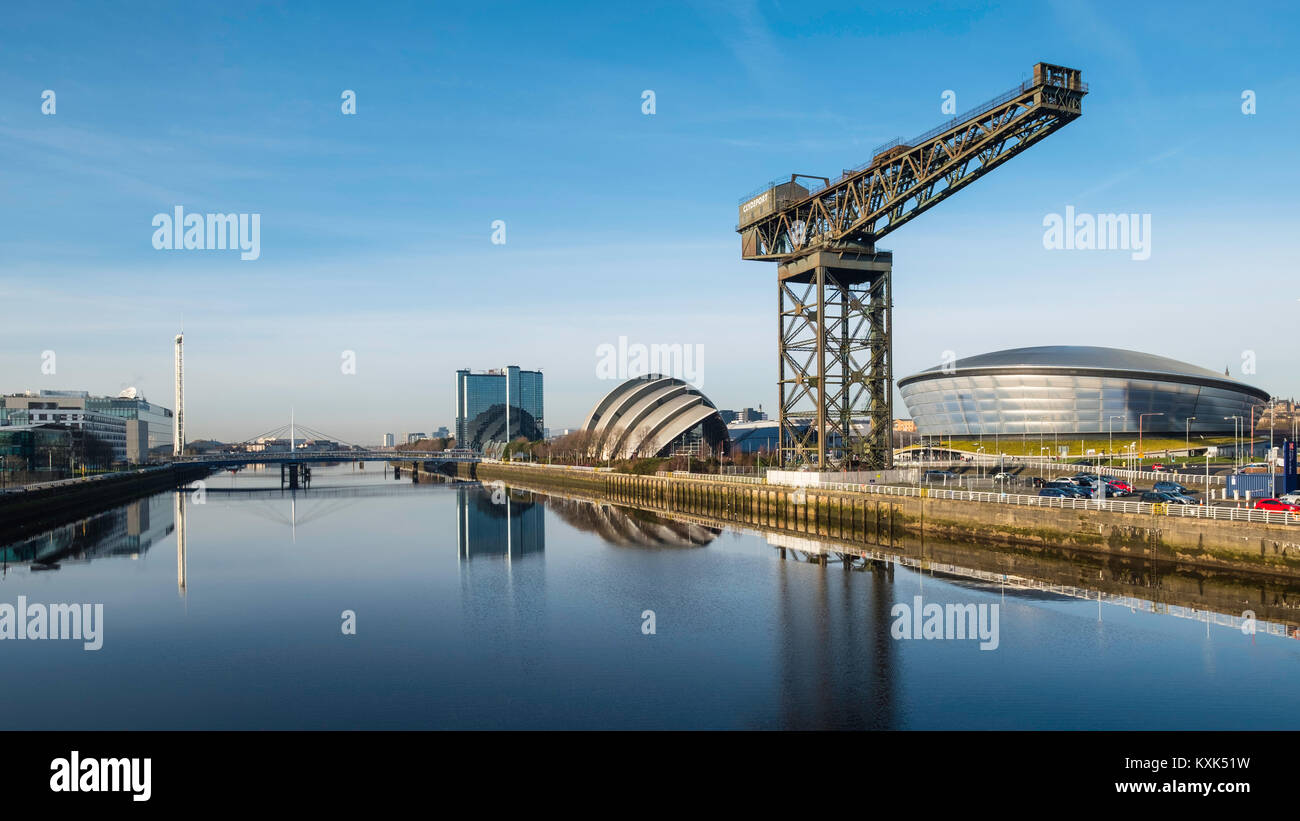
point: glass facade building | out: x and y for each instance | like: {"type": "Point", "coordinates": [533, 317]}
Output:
{"type": "Point", "coordinates": [1075, 390]}
{"type": "Point", "coordinates": [498, 406]}
{"type": "Point", "coordinates": [43, 407]}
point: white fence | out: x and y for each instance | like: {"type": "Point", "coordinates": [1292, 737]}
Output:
{"type": "Point", "coordinates": [1113, 505]}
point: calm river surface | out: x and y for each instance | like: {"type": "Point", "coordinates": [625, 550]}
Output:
{"type": "Point", "coordinates": [482, 608]}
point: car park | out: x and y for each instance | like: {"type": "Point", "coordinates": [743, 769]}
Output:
{"type": "Point", "coordinates": [1057, 492]}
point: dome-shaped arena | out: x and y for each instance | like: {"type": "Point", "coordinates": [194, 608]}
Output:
{"type": "Point", "coordinates": [1072, 389]}
{"type": "Point", "coordinates": [654, 416]}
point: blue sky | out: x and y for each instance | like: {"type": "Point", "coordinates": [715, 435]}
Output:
{"type": "Point", "coordinates": [376, 227]}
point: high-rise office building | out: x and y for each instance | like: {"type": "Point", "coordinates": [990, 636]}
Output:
{"type": "Point", "coordinates": [498, 406]}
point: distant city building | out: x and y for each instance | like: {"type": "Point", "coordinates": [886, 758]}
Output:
{"type": "Point", "coordinates": [389, 440]}
{"type": "Point", "coordinates": [904, 426]}
{"type": "Point", "coordinates": [743, 415]}
{"type": "Point", "coordinates": [498, 406]}
{"type": "Point", "coordinates": [441, 433]}
{"type": "Point", "coordinates": [761, 436]}
{"type": "Point", "coordinates": [268, 444]}
{"type": "Point", "coordinates": [753, 437]}
{"type": "Point", "coordinates": [412, 438]}
{"type": "Point", "coordinates": [105, 417]}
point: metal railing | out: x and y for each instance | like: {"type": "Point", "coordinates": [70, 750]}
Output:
{"type": "Point", "coordinates": [1233, 514]}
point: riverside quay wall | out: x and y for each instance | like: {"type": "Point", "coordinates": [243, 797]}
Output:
{"type": "Point", "coordinates": [881, 519]}
{"type": "Point", "coordinates": [49, 504]}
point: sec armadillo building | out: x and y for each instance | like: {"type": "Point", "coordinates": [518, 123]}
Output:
{"type": "Point", "coordinates": [1078, 390]}
{"type": "Point", "coordinates": [654, 415]}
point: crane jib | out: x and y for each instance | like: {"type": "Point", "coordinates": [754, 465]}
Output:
{"type": "Point", "coordinates": [906, 178]}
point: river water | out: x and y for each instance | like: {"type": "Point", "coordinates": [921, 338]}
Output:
{"type": "Point", "coordinates": [369, 602]}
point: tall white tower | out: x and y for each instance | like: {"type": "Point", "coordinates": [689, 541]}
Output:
{"type": "Point", "coordinates": [178, 414]}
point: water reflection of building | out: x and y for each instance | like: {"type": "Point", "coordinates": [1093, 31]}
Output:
{"type": "Point", "coordinates": [129, 530]}
{"type": "Point", "coordinates": [631, 527]}
{"type": "Point", "coordinates": [498, 522]}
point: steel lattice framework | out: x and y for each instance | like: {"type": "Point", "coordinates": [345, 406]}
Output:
{"type": "Point", "coordinates": [834, 304]}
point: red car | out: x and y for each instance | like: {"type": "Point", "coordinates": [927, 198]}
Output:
{"type": "Point", "coordinates": [1122, 487]}
{"type": "Point", "coordinates": [1276, 504]}
{"type": "Point", "coordinates": [1157, 468]}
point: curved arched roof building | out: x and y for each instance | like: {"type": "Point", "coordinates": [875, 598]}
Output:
{"type": "Point", "coordinates": [648, 415]}
{"type": "Point", "coordinates": [1074, 389]}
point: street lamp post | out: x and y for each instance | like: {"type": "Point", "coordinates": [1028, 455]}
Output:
{"type": "Point", "coordinates": [1141, 416]}
{"type": "Point", "coordinates": [1272, 460]}
{"type": "Point", "coordinates": [1187, 436]}
{"type": "Point", "coordinates": [1110, 448]}
{"type": "Point", "coordinates": [1236, 447]}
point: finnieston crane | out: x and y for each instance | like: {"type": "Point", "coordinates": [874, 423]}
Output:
{"type": "Point", "coordinates": [835, 347]}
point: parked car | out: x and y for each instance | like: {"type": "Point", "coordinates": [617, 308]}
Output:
{"type": "Point", "coordinates": [1276, 504]}
{"type": "Point", "coordinates": [1292, 498]}
{"type": "Point", "coordinates": [1070, 488]}
{"type": "Point", "coordinates": [1002, 476]}
{"type": "Point", "coordinates": [1159, 498]}
{"type": "Point", "coordinates": [1173, 487]}
{"type": "Point", "coordinates": [1057, 492]}
{"type": "Point", "coordinates": [1157, 468]}
{"type": "Point", "coordinates": [938, 475]}
{"type": "Point", "coordinates": [1113, 490]}
{"type": "Point", "coordinates": [1038, 481]}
